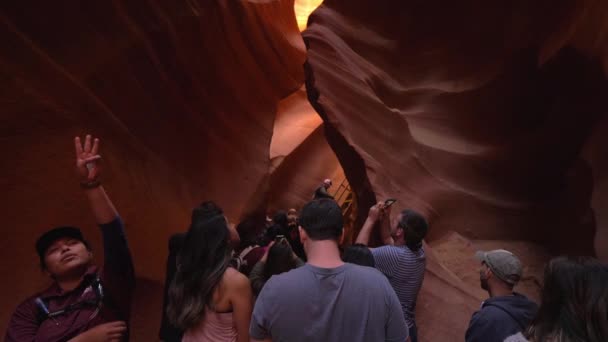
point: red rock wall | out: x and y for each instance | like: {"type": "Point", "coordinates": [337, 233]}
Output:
{"type": "Point", "coordinates": [183, 95]}
{"type": "Point", "coordinates": [481, 129]}
{"type": "Point", "coordinates": [485, 117]}
{"type": "Point", "coordinates": [313, 158]}
{"type": "Point", "coordinates": [300, 155]}
{"type": "Point", "coordinates": [489, 119]}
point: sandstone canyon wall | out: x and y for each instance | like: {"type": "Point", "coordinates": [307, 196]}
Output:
{"type": "Point", "coordinates": [183, 95]}
{"type": "Point", "coordinates": [478, 113]}
{"type": "Point", "coordinates": [490, 120]}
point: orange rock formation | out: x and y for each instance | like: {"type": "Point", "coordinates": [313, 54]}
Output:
{"type": "Point", "coordinates": [491, 120]}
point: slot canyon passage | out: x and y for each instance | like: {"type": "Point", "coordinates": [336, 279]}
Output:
{"type": "Point", "coordinates": [488, 118]}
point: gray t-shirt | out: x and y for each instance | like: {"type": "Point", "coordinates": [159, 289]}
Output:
{"type": "Point", "coordinates": [348, 303]}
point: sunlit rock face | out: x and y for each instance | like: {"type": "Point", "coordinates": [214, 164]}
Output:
{"type": "Point", "coordinates": [300, 156]}
{"type": "Point", "coordinates": [303, 8]}
{"type": "Point", "coordinates": [489, 119]}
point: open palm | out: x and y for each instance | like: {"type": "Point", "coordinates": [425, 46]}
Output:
{"type": "Point", "coordinates": [87, 159]}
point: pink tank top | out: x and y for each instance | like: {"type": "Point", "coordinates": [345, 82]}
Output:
{"type": "Point", "coordinates": [216, 327]}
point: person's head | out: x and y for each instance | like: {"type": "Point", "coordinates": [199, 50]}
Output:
{"type": "Point", "coordinates": [64, 252]}
{"type": "Point", "coordinates": [327, 183]}
{"type": "Point", "coordinates": [248, 230]}
{"type": "Point", "coordinates": [500, 270]}
{"type": "Point", "coordinates": [358, 254]}
{"type": "Point", "coordinates": [201, 264]}
{"type": "Point", "coordinates": [410, 229]}
{"type": "Point", "coordinates": [321, 220]}
{"type": "Point", "coordinates": [209, 209]}
{"type": "Point", "coordinates": [292, 217]}
{"type": "Point", "coordinates": [280, 219]}
{"type": "Point", "coordinates": [271, 232]}
{"type": "Point", "coordinates": [574, 302]}
{"type": "Point", "coordinates": [206, 210]}
{"type": "Point", "coordinates": [280, 259]}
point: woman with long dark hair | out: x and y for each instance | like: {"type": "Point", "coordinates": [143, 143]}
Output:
{"type": "Point", "coordinates": [279, 258]}
{"type": "Point", "coordinates": [208, 300]}
{"type": "Point", "coordinates": [574, 303]}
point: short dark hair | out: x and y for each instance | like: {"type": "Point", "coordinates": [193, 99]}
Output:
{"type": "Point", "coordinates": [322, 219]}
{"type": "Point", "coordinates": [205, 211]}
{"type": "Point", "coordinates": [415, 227]}
{"type": "Point", "coordinates": [359, 254]}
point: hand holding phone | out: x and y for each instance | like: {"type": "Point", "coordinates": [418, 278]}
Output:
{"type": "Point", "coordinates": [389, 202]}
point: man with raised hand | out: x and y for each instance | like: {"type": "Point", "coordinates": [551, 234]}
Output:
{"type": "Point", "coordinates": [84, 302]}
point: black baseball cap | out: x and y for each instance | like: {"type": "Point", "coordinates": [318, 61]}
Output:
{"type": "Point", "coordinates": [47, 239]}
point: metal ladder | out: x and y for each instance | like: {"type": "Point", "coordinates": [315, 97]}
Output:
{"type": "Point", "coordinates": [344, 196]}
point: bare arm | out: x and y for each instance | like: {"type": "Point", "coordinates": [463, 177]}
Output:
{"type": "Point", "coordinates": [241, 299]}
{"type": "Point", "coordinates": [366, 231]}
{"type": "Point", "coordinates": [385, 228]}
{"type": "Point", "coordinates": [256, 277]}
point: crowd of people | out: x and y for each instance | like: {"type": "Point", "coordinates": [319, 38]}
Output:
{"type": "Point", "coordinates": [295, 281]}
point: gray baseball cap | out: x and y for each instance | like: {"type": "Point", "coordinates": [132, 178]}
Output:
{"type": "Point", "coordinates": [504, 264]}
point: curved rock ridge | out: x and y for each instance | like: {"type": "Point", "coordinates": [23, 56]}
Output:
{"type": "Point", "coordinates": [486, 118]}
{"type": "Point", "coordinates": [466, 125]}
{"type": "Point", "coordinates": [489, 119]}
{"type": "Point", "coordinates": [183, 95]}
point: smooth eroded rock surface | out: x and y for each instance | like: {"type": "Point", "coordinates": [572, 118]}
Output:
{"type": "Point", "coordinates": [491, 120]}
{"type": "Point", "coordinates": [183, 95]}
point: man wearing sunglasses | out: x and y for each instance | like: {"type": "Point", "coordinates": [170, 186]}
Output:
{"type": "Point", "coordinates": [85, 302]}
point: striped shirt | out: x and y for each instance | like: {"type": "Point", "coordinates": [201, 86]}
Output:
{"type": "Point", "coordinates": [404, 269]}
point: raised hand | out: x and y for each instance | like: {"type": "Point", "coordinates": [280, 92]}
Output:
{"type": "Point", "coordinates": [87, 159]}
{"type": "Point", "coordinates": [376, 212]}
